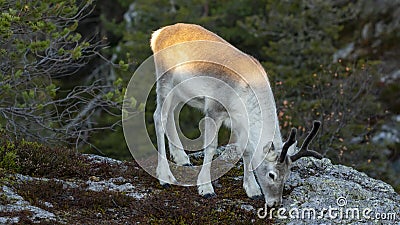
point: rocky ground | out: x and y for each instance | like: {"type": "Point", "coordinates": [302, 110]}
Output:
{"type": "Point", "coordinates": [115, 192]}
{"type": "Point", "coordinates": [106, 191]}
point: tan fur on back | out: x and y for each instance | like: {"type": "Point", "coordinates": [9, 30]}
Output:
{"type": "Point", "coordinates": [248, 69]}
{"type": "Point", "coordinates": [179, 33]}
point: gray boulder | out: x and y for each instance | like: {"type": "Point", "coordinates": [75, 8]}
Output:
{"type": "Point", "coordinates": [323, 193]}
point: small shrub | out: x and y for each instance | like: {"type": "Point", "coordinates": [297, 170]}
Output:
{"type": "Point", "coordinates": [8, 159]}
{"type": "Point", "coordinates": [38, 160]}
{"type": "Point", "coordinates": [34, 159]}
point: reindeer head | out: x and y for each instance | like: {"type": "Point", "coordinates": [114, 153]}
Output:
{"type": "Point", "coordinates": [274, 170]}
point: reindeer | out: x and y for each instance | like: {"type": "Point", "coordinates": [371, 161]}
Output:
{"type": "Point", "coordinates": [231, 88]}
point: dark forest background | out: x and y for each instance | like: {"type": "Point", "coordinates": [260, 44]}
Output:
{"type": "Point", "coordinates": [65, 65]}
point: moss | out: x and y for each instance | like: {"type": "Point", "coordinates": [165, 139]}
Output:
{"type": "Point", "coordinates": [397, 188]}
{"type": "Point", "coordinates": [3, 199]}
{"type": "Point", "coordinates": [40, 160]}
{"type": "Point", "coordinates": [176, 205]}
{"type": "Point", "coordinates": [34, 159]}
{"type": "Point", "coordinates": [88, 203]}
{"type": "Point", "coordinates": [183, 205]}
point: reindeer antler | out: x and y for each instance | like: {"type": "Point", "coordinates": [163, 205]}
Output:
{"type": "Point", "coordinates": [304, 151]}
{"type": "Point", "coordinates": [291, 140]}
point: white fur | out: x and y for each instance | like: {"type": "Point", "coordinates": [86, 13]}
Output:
{"type": "Point", "coordinates": [244, 90]}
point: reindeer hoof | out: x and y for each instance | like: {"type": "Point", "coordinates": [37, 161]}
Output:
{"type": "Point", "coordinates": [210, 195]}
{"type": "Point", "coordinates": [257, 197]}
{"type": "Point", "coordinates": [188, 164]}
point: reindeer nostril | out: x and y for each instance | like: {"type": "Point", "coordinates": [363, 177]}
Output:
{"type": "Point", "coordinates": [271, 175]}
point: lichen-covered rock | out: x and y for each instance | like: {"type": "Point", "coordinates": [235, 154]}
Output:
{"type": "Point", "coordinates": [17, 204]}
{"type": "Point", "coordinates": [323, 193]}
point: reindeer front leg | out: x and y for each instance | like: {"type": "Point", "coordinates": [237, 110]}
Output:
{"type": "Point", "coordinates": [240, 130]}
{"type": "Point", "coordinates": [175, 145]}
{"type": "Point", "coordinates": [250, 184]}
{"type": "Point", "coordinates": [212, 123]}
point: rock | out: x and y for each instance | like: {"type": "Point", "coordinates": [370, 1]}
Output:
{"type": "Point", "coordinates": [13, 204]}
{"type": "Point", "coordinates": [379, 28]}
{"type": "Point", "coordinates": [366, 32]}
{"type": "Point", "coordinates": [317, 192]}
{"type": "Point", "coordinates": [391, 77]}
{"type": "Point", "coordinates": [344, 52]}
{"type": "Point", "coordinates": [18, 204]}
{"type": "Point", "coordinates": [248, 208]}
{"type": "Point", "coordinates": [336, 194]}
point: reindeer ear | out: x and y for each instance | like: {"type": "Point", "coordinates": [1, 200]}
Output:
{"type": "Point", "coordinates": [269, 152]}
{"type": "Point", "coordinates": [260, 155]}
{"type": "Point", "coordinates": [292, 149]}
{"type": "Point", "coordinates": [271, 156]}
